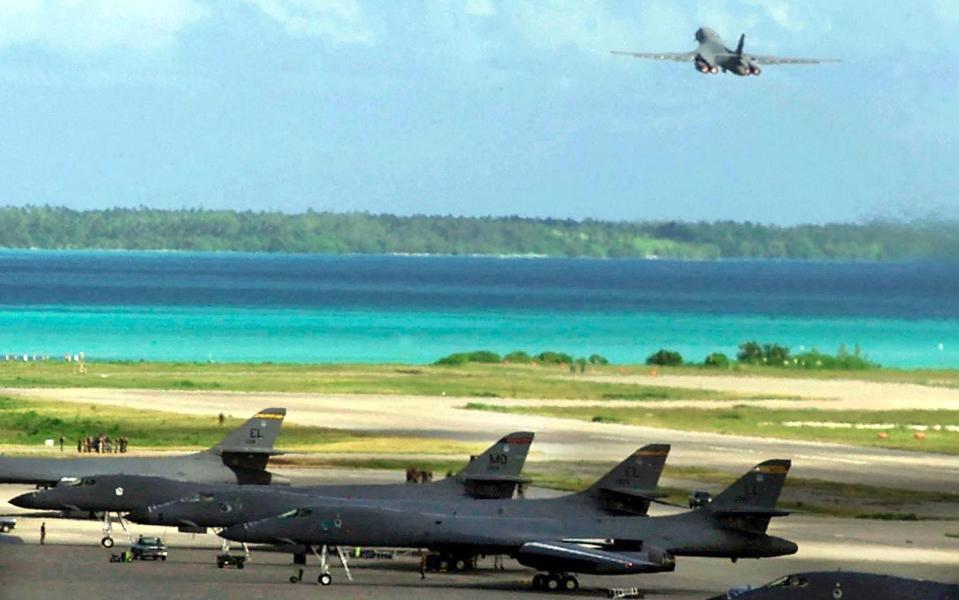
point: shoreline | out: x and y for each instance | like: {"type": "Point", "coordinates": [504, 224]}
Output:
{"type": "Point", "coordinates": [504, 256]}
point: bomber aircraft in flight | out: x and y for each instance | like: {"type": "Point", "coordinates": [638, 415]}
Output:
{"type": "Point", "coordinates": [713, 56]}
{"type": "Point", "coordinates": [555, 538]}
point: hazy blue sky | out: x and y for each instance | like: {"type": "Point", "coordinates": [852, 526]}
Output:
{"type": "Point", "coordinates": [480, 107]}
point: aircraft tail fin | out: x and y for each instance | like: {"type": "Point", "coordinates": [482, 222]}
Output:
{"type": "Point", "coordinates": [630, 486]}
{"type": "Point", "coordinates": [750, 502]}
{"type": "Point", "coordinates": [256, 436]}
{"type": "Point", "coordinates": [496, 472]}
{"type": "Point", "coordinates": [741, 45]}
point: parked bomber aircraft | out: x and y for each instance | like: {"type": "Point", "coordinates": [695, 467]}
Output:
{"type": "Point", "coordinates": [555, 539]}
{"type": "Point", "coordinates": [627, 489]}
{"type": "Point", "coordinates": [712, 55]}
{"type": "Point", "coordinates": [241, 457]}
{"type": "Point", "coordinates": [494, 473]}
{"type": "Point", "coordinates": [848, 585]}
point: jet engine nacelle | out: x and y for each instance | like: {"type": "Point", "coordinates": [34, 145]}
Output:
{"type": "Point", "coordinates": [557, 557]}
{"type": "Point", "coordinates": [703, 65]}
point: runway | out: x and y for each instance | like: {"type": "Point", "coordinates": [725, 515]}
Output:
{"type": "Point", "coordinates": [556, 439]}
{"type": "Point", "coordinates": [72, 564]}
{"type": "Point", "coordinates": [70, 571]}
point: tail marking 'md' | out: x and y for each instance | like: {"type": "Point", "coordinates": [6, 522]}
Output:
{"type": "Point", "coordinates": [496, 472]}
{"type": "Point", "coordinates": [503, 461]}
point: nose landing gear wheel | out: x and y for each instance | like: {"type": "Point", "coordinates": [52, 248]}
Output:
{"type": "Point", "coordinates": [324, 579]}
{"type": "Point", "coordinates": [107, 542]}
{"type": "Point", "coordinates": [539, 581]}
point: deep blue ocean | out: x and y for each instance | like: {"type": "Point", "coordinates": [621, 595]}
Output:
{"type": "Point", "coordinates": [415, 309]}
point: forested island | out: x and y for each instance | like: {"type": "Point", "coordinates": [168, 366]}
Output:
{"type": "Point", "coordinates": [341, 233]}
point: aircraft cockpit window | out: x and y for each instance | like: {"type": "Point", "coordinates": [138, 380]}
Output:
{"type": "Point", "coordinates": [789, 581]}
{"type": "Point", "coordinates": [68, 481]}
{"type": "Point", "coordinates": [89, 481]}
{"type": "Point", "coordinates": [288, 514]}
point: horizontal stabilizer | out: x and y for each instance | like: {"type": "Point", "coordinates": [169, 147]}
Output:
{"type": "Point", "coordinates": [497, 478]}
{"type": "Point", "coordinates": [751, 513]}
{"type": "Point", "coordinates": [651, 495]}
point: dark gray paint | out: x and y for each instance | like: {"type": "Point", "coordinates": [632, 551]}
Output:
{"type": "Point", "coordinates": [498, 468]}
{"type": "Point", "coordinates": [241, 457]}
{"type": "Point", "coordinates": [840, 585]}
{"type": "Point", "coordinates": [555, 535]}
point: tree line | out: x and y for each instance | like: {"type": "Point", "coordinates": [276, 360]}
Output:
{"type": "Point", "coordinates": [51, 227]}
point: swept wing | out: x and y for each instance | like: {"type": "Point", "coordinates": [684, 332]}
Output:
{"type": "Point", "coordinates": [672, 56]}
{"type": "Point", "coordinates": [786, 60]}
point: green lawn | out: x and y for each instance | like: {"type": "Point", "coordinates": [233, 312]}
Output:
{"type": "Point", "coordinates": [500, 381]}
{"type": "Point", "coordinates": [931, 377]}
{"type": "Point", "coordinates": [27, 423]}
{"type": "Point", "coordinates": [763, 422]}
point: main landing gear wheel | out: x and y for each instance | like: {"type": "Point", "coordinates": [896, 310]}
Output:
{"type": "Point", "coordinates": [324, 579]}
{"type": "Point", "coordinates": [554, 583]}
{"type": "Point", "coordinates": [107, 542]}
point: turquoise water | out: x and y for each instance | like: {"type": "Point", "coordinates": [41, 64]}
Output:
{"type": "Point", "coordinates": [199, 307]}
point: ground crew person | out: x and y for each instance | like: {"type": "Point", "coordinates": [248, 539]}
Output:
{"type": "Point", "coordinates": [43, 533]}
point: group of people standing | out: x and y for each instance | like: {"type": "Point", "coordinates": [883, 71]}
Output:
{"type": "Point", "coordinates": [102, 444]}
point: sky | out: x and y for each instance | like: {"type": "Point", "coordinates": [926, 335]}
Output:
{"type": "Point", "coordinates": [480, 107]}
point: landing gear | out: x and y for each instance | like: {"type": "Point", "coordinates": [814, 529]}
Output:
{"type": "Point", "coordinates": [322, 556]}
{"type": "Point", "coordinates": [555, 582]}
{"type": "Point", "coordinates": [450, 562]}
{"type": "Point", "coordinates": [227, 559]}
{"type": "Point", "coordinates": [107, 540]}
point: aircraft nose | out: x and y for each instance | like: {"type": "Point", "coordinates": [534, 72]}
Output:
{"type": "Point", "coordinates": [28, 500]}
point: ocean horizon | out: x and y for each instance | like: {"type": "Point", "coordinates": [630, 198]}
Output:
{"type": "Point", "coordinates": [303, 308]}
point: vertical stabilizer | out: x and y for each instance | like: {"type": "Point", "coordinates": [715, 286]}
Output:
{"type": "Point", "coordinates": [630, 486]}
{"type": "Point", "coordinates": [256, 436]}
{"type": "Point", "coordinates": [504, 459]}
{"type": "Point", "coordinates": [750, 502]}
{"type": "Point", "coordinates": [496, 472]}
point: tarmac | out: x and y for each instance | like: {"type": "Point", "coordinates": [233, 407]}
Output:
{"type": "Point", "coordinates": [72, 564]}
